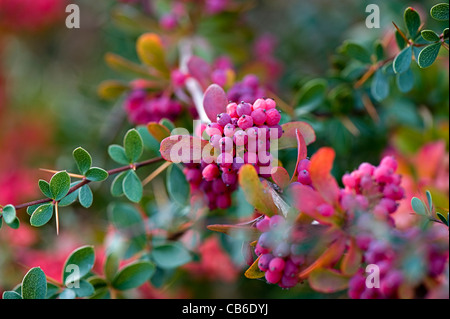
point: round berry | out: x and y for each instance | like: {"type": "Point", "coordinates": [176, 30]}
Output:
{"type": "Point", "coordinates": [304, 164]}
{"type": "Point", "coordinates": [273, 276]}
{"type": "Point", "coordinates": [218, 186]}
{"type": "Point", "coordinates": [226, 144]}
{"type": "Point", "coordinates": [223, 119]}
{"type": "Point", "coordinates": [229, 178]}
{"type": "Point", "coordinates": [270, 104]}
{"type": "Point", "coordinates": [251, 81]}
{"type": "Point", "coordinates": [214, 140]}
{"type": "Point", "coordinates": [326, 210]}
{"type": "Point", "coordinates": [245, 122]}
{"type": "Point", "coordinates": [304, 177]}
{"type": "Point", "coordinates": [278, 131]}
{"type": "Point", "coordinates": [263, 225]}
{"type": "Point", "coordinates": [229, 130]}
{"type": "Point", "coordinates": [277, 264]}
{"type": "Point", "coordinates": [276, 220]}
{"type": "Point", "coordinates": [194, 176]}
{"type": "Point", "coordinates": [259, 116]}
{"type": "Point", "coordinates": [237, 163]}
{"type": "Point", "coordinates": [225, 160]}
{"type": "Point", "coordinates": [240, 138]}
{"type": "Point", "coordinates": [259, 104]}
{"type": "Point", "coordinates": [288, 282]}
{"type": "Point", "coordinates": [273, 117]}
{"type": "Point", "coordinates": [348, 180]}
{"type": "Point", "coordinates": [232, 110]}
{"type": "Point", "coordinates": [282, 250]}
{"type": "Point", "coordinates": [244, 109]}
{"type": "Point", "coordinates": [389, 161]}
{"type": "Point", "coordinates": [210, 172]}
{"type": "Point", "coordinates": [214, 129]}
{"type": "Point", "coordinates": [223, 201]}
{"type": "Point", "coordinates": [264, 260]}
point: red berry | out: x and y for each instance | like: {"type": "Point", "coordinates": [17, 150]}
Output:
{"type": "Point", "coordinates": [263, 225]}
{"type": "Point", "coordinates": [264, 260]}
{"type": "Point", "coordinates": [273, 117]}
{"type": "Point", "coordinates": [270, 104]}
{"type": "Point", "coordinates": [304, 177]}
{"type": "Point", "coordinates": [231, 110]}
{"type": "Point", "coordinates": [245, 122]}
{"type": "Point", "coordinates": [277, 264]}
{"type": "Point", "coordinates": [210, 172]}
{"type": "Point", "coordinates": [259, 116]}
{"type": "Point", "coordinates": [273, 276]}
{"type": "Point", "coordinates": [259, 104]}
{"type": "Point", "coordinates": [223, 119]}
{"type": "Point", "coordinates": [223, 201]}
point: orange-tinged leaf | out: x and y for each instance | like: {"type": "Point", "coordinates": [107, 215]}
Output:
{"type": "Point", "coordinates": [229, 229]}
{"type": "Point", "coordinates": [151, 52]}
{"type": "Point", "coordinates": [255, 192]}
{"type": "Point", "coordinates": [253, 272]}
{"type": "Point", "coordinates": [289, 138]}
{"type": "Point", "coordinates": [121, 64]}
{"type": "Point", "coordinates": [281, 177]}
{"type": "Point", "coordinates": [158, 131]}
{"type": "Point", "coordinates": [110, 90]}
{"type": "Point", "coordinates": [306, 200]}
{"type": "Point", "coordinates": [185, 149]}
{"type": "Point", "coordinates": [329, 257]}
{"type": "Point", "coordinates": [302, 153]}
{"type": "Point", "coordinates": [327, 280]}
{"type": "Point", "coordinates": [352, 259]}
{"type": "Point", "coordinates": [320, 171]}
{"type": "Point", "coordinates": [214, 101]}
{"type": "Point", "coordinates": [429, 158]}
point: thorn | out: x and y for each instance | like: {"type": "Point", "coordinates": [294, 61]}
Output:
{"type": "Point", "coordinates": [54, 172]}
{"type": "Point", "coordinates": [57, 218]}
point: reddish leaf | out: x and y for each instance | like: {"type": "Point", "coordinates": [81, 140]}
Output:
{"type": "Point", "coordinates": [185, 149]}
{"type": "Point", "coordinates": [302, 153]}
{"type": "Point", "coordinates": [289, 138]}
{"type": "Point", "coordinates": [429, 158]}
{"type": "Point", "coordinates": [281, 177]}
{"type": "Point", "coordinates": [327, 280]}
{"type": "Point", "coordinates": [151, 52]}
{"type": "Point", "coordinates": [158, 131]}
{"type": "Point", "coordinates": [320, 170]}
{"type": "Point", "coordinates": [253, 272]}
{"type": "Point", "coordinates": [215, 101]}
{"type": "Point", "coordinates": [352, 259]}
{"type": "Point", "coordinates": [306, 200]}
{"type": "Point", "coordinates": [255, 192]}
{"type": "Point", "coordinates": [200, 70]}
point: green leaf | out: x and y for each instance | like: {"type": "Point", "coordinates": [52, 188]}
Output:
{"type": "Point", "coordinates": [312, 94]}
{"type": "Point", "coordinates": [117, 184]}
{"type": "Point", "coordinates": [11, 295]}
{"type": "Point", "coordinates": [379, 51]}
{"type": "Point", "coordinates": [357, 52]}
{"type": "Point", "coordinates": [96, 174]}
{"type": "Point", "coordinates": [71, 197]}
{"type": "Point", "coordinates": [44, 186]}
{"type": "Point", "coordinates": [430, 200]}
{"type": "Point", "coordinates": [83, 159]}
{"type": "Point", "coordinates": [440, 12]}
{"type": "Point", "coordinates": [34, 284]}
{"type": "Point", "coordinates": [442, 218]}
{"type": "Point", "coordinates": [15, 224]}
{"type": "Point", "coordinates": [117, 153]}
{"type": "Point", "coordinates": [84, 289]}
{"type": "Point", "coordinates": [132, 187]}
{"type": "Point", "coordinates": [133, 145]}
{"type": "Point", "coordinates": [177, 185]}
{"type": "Point", "coordinates": [380, 86]}
{"type": "Point", "coordinates": [403, 60]}
{"type": "Point", "coordinates": [31, 209]}
{"type": "Point", "coordinates": [412, 22]}
{"type": "Point", "coordinates": [430, 35]}
{"type": "Point", "coordinates": [401, 43]}
{"type": "Point", "coordinates": [52, 291]}
{"type": "Point", "coordinates": [133, 275]}
{"type": "Point", "coordinates": [42, 215]}
{"type": "Point", "coordinates": [405, 81]}
{"type": "Point", "coordinates": [9, 214]}
{"type": "Point", "coordinates": [85, 196]}
{"type": "Point", "coordinates": [59, 185]}
{"type": "Point", "coordinates": [171, 255]}
{"type": "Point", "coordinates": [428, 55]}
{"type": "Point", "coordinates": [83, 258]}
{"type": "Point", "coordinates": [67, 294]}
{"type": "Point", "coordinates": [111, 266]}
{"type": "Point", "coordinates": [111, 89]}
{"type": "Point", "coordinates": [418, 206]}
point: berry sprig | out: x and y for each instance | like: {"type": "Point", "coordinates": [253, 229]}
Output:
{"type": "Point", "coordinates": [241, 135]}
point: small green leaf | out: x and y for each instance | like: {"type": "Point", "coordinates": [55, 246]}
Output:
{"type": "Point", "coordinates": [67, 294]}
{"type": "Point", "coordinates": [401, 43]}
{"type": "Point", "coordinates": [117, 153]}
{"type": "Point", "coordinates": [52, 291]}
{"type": "Point", "coordinates": [403, 60]}
{"type": "Point", "coordinates": [379, 51]}
{"type": "Point", "coordinates": [177, 185]}
{"type": "Point", "coordinates": [405, 81]}
{"type": "Point", "coordinates": [15, 224]}
{"type": "Point", "coordinates": [117, 184]}
{"type": "Point", "coordinates": [83, 289]}
{"type": "Point", "coordinates": [31, 209]}
{"type": "Point", "coordinates": [440, 12]}
{"type": "Point", "coordinates": [44, 186]}
{"type": "Point", "coordinates": [96, 174]}
{"type": "Point", "coordinates": [83, 159]}
{"type": "Point", "coordinates": [312, 94]}
{"type": "Point", "coordinates": [11, 295]}
{"type": "Point", "coordinates": [133, 145]}
{"type": "Point", "coordinates": [430, 200]}
{"type": "Point", "coordinates": [412, 22]}
{"type": "Point", "coordinates": [171, 255]}
{"type": "Point", "coordinates": [133, 275]}
{"type": "Point", "coordinates": [9, 214]}
{"type": "Point", "coordinates": [85, 196]}
{"type": "Point", "coordinates": [111, 90]}
{"type": "Point", "coordinates": [111, 266]}
{"type": "Point", "coordinates": [428, 55]}
{"type": "Point", "coordinates": [34, 284]}
{"type": "Point", "coordinates": [357, 52]}
{"type": "Point", "coordinates": [430, 35]}
{"type": "Point", "coordinates": [132, 187]}
{"type": "Point", "coordinates": [418, 206]}
{"type": "Point", "coordinates": [442, 218]}
{"type": "Point", "coordinates": [380, 86]}
{"type": "Point", "coordinates": [41, 215]}
{"type": "Point", "coordinates": [59, 185]}
{"type": "Point", "coordinates": [83, 258]}
{"type": "Point", "coordinates": [71, 197]}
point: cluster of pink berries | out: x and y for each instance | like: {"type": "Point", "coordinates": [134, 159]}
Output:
{"type": "Point", "coordinates": [240, 136]}
{"type": "Point", "coordinates": [375, 187]}
{"type": "Point", "coordinates": [142, 108]}
{"type": "Point", "coordinates": [248, 90]}
{"type": "Point", "coordinates": [278, 252]}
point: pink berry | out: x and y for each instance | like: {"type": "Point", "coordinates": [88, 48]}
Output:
{"type": "Point", "coordinates": [226, 144]}
{"type": "Point", "coordinates": [260, 250]}
{"type": "Point", "coordinates": [264, 260]}
{"type": "Point", "coordinates": [250, 158]}
{"type": "Point", "coordinates": [362, 202]}
{"type": "Point", "coordinates": [263, 225]}
{"type": "Point", "coordinates": [210, 172]}
{"type": "Point", "coordinates": [231, 110]}
{"type": "Point", "coordinates": [229, 130]}
{"type": "Point", "coordinates": [290, 268]}
{"type": "Point", "coordinates": [223, 201]}
{"type": "Point", "coordinates": [383, 174]}
{"type": "Point", "coordinates": [393, 191]}
{"type": "Point", "coordinates": [304, 164]}
{"type": "Point", "coordinates": [389, 161]}
{"type": "Point", "coordinates": [278, 131]}
{"type": "Point", "coordinates": [282, 250]}
{"type": "Point", "coordinates": [348, 180]}
{"type": "Point", "coordinates": [178, 78]}
{"type": "Point", "coordinates": [240, 138]}
{"type": "Point", "coordinates": [251, 81]}
{"type": "Point", "coordinates": [219, 77]}
{"type": "Point", "coordinates": [273, 276]}
{"type": "Point", "coordinates": [277, 264]}
{"type": "Point", "coordinates": [237, 163]}
{"type": "Point", "coordinates": [389, 204]}
{"type": "Point", "coordinates": [214, 129]}
{"type": "Point", "coordinates": [229, 178]}
{"type": "Point", "coordinates": [194, 176]}
{"type": "Point", "coordinates": [245, 122]}
{"type": "Point", "coordinates": [276, 220]}
{"type": "Point", "coordinates": [270, 104]}
{"type": "Point", "coordinates": [304, 177]}
{"type": "Point", "coordinates": [366, 169]}
{"type": "Point", "coordinates": [326, 210]}
{"type": "Point", "coordinates": [288, 282]}
{"type": "Point", "coordinates": [273, 117]}
{"type": "Point", "coordinates": [259, 104]}
{"type": "Point", "coordinates": [244, 109]}
{"type": "Point", "coordinates": [225, 160]}
{"type": "Point", "coordinates": [259, 116]}
{"type": "Point", "coordinates": [223, 119]}
{"type": "Point", "coordinates": [214, 140]}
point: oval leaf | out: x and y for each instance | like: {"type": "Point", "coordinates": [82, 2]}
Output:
{"type": "Point", "coordinates": [158, 131]}
{"type": "Point", "coordinates": [132, 187]}
{"type": "Point", "coordinates": [177, 185]}
{"type": "Point", "coordinates": [403, 60]}
{"type": "Point", "coordinates": [151, 52]}
{"type": "Point", "coordinates": [253, 272]}
{"type": "Point", "coordinates": [9, 214]}
{"type": "Point", "coordinates": [60, 185]}
{"type": "Point", "coordinates": [96, 174]}
{"type": "Point", "coordinates": [412, 22]}
{"type": "Point", "coordinates": [214, 101]}
{"type": "Point", "coordinates": [322, 180]}
{"type": "Point", "coordinates": [133, 275]}
{"type": "Point", "coordinates": [41, 215]}
{"type": "Point", "coordinates": [428, 55]}
{"type": "Point", "coordinates": [117, 153]}
{"type": "Point", "coordinates": [289, 137]}
{"type": "Point", "coordinates": [85, 196]}
{"type": "Point", "coordinates": [171, 255]}
{"type": "Point", "coordinates": [83, 159]}
{"type": "Point", "coordinates": [133, 145]}
{"type": "Point", "coordinates": [440, 12]}
{"type": "Point", "coordinates": [327, 280]}
{"type": "Point", "coordinates": [34, 284]}
{"type": "Point", "coordinates": [83, 259]}
{"type": "Point", "coordinates": [418, 206]}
